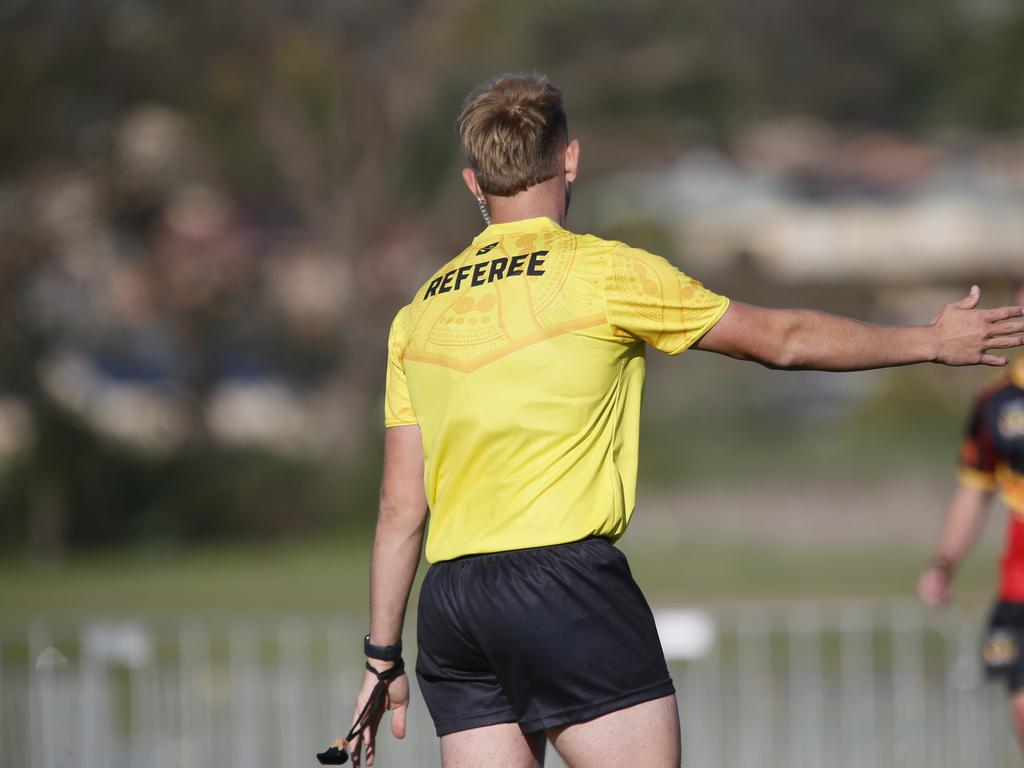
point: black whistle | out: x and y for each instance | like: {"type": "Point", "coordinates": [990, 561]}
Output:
{"type": "Point", "coordinates": [332, 756]}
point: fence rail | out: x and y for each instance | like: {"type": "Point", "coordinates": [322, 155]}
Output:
{"type": "Point", "coordinates": [802, 686]}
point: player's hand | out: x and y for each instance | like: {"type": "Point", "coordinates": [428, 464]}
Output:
{"type": "Point", "coordinates": [397, 703]}
{"type": "Point", "coordinates": [935, 586]}
{"type": "Point", "coordinates": [965, 334]}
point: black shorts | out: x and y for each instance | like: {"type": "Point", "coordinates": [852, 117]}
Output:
{"type": "Point", "coordinates": [1003, 651]}
{"type": "Point", "coordinates": [541, 637]}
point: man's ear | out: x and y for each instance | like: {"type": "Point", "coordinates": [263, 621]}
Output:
{"type": "Point", "coordinates": [469, 176]}
{"type": "Point", "coordinates": [572, 160]}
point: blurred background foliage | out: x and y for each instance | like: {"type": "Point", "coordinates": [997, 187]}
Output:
{"type": "Point", "coordinates": [210, 212]}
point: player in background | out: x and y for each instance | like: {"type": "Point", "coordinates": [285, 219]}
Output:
{"type": "Point", "coordinates": [991, 462]}
{"type": "Point", "coordinates": [512, 411]}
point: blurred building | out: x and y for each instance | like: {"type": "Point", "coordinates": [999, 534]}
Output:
{"type": "Point", "coordinates": [803, 202]}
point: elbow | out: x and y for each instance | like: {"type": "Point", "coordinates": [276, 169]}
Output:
{"type": "Point", "coordinates": [401, 513]}
{"type": "Point", "coordinates": [787, 359]}
{"type": "Point", "coordinates": [788, 353]}
{"type": "Point", "coordinates": [774, 338]}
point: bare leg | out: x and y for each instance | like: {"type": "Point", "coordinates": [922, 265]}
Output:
{"type": "Point", "coordinates": [493, 746]}
{"type": "Point", "coordinates": [645, 734]}
{"type": "Point", "coordinates": [1017, 708]}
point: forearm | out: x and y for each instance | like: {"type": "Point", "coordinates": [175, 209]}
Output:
{"type": "Point", "coordinates": [966, 514]}
{"type": "Point", "coordinates": [396, 555]}
{"type": "Point", "coordinates": [399, 536]}
{"type": "Point", "coordinates": [807, 339]}
{"type": "Point", "coordinates": [817, 340]}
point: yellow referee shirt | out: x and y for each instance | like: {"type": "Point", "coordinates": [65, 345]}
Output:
{"type": "Point", "coordinates": [522, 361]}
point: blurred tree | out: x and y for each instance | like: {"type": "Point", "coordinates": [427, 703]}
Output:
{"type": "Point", "coordinates": [985, 90]}
{"type": "Point", "coordinates": [167, 169]}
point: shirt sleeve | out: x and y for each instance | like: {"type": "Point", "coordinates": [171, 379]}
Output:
{"type": "Point", "coordinates": [978, 458]}
{"type": "Point", "coordinates": [648, 298]}
{"type": "Point", "coordinates": [397, 404]}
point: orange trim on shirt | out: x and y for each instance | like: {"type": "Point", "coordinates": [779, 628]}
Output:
{"type": "Point", "coordinates": [975, 478]}
{"type": "Point", "coordinates": [1017, 372]}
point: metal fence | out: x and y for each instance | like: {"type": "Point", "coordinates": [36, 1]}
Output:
{"type": "Point", "coordinates": [801, 686]}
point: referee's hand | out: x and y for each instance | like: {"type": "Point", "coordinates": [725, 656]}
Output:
{"type": "Point", "coordinates": [397, 703]}
{"type": "Point", "coordinates": [935, 586]}
{"type": "Point", "coordinates": [965, 334]}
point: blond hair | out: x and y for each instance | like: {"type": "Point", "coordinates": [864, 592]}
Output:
{"type": "Point", "coordinates": [512, 131]}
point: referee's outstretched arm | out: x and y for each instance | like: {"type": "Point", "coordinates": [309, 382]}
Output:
{"type": "Point", "coordinates": [960, 334]}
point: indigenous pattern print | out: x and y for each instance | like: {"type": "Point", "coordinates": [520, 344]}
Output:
{"type": "Point", "coordinates": [469, 328]}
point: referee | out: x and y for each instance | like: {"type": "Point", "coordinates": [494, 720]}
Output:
{"type": "Point", "coordinates": [513, 395]}
{"type": "Point", "coordinates": [991, 461]}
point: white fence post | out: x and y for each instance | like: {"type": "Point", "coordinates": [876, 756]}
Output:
{"type": "Point", "coordinates": [754, 671]}
{"type": "Point", "coordinates": [245, 675]}
{"type": "Point", "coordinates": [804, 686]}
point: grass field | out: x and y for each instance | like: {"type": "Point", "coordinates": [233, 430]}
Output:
{"type": "Point", "coordinates": [332, 577]}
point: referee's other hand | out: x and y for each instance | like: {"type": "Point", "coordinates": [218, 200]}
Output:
{"type": "Point", "coordinates": [364, 744]}
{"type": "Point", "coordinates": [935, 587]}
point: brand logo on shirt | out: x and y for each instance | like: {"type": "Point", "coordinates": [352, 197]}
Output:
{"type": "Point", "coordinates": [1011, 421]}
{"type": "Point", "coordinates": [1000, 649]}
{"type": "Point", "coordinates": [487, 271]}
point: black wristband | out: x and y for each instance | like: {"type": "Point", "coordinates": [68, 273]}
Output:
{"type": "Point", "coordinates": [382, 652]}
{"type": "Point", "coordinates": [943, 564]}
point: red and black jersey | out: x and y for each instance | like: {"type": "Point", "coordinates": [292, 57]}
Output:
{"type": "Point", "coordinates": [992, 458]}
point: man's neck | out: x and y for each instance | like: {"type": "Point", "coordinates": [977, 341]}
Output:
{"type": "Point", "coordinates": [544, 199]}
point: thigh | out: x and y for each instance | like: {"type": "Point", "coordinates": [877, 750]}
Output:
{"type": "Point", "coordinates": [1017, 710]}
{"type": "Point", "coordinates": [493, 746]}
{"type": "Point", "coordinates": [645, 734]}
